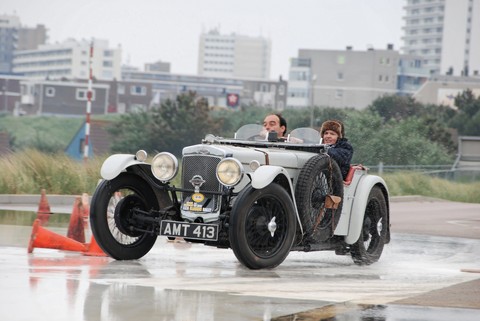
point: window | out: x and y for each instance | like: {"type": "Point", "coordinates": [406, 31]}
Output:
{"type": "Point", "coordinates": [107, 74]}
{"type": "Point", "coordinates": [341, 60]}
{"type": "Point", "coordinates": [340, 76]}
{"type": "Point", "coordinates": [82, 94]}
{"type": "Point", "coordinates": [50, 92]}
{"type": "Point", "coordinates": [121, 89]}
{"type": "Point", "coordinates": [339, 93]}
{"type": "Point", "coordinates": [298, 75]}
{"type": "Point", "coordinates": [138, 90]}
{"type": "Point", "coordinates": [107, 63]}
{"type": "Point", "coordinates": [281, 90]}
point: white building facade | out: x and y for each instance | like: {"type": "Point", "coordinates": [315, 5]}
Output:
{"type": "Point", "coordinates": [446, 33]}
{"type": "Point", "coordinates": [341, 78]}
{"type": "Point", "coordinates": [234, 56]}
{"type": "Point", "coordinates": [69, 59]}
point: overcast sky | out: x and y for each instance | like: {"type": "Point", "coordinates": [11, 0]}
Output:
{"type": "Point", "coordinates": [169, 30]}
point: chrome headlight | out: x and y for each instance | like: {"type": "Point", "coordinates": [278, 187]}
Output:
{"type": "Point", "coordinates": [164, 166]}
{"type": "Point", "coordinates": [141, 155]}
{"type": "Point", "coordinates": [229, 172]}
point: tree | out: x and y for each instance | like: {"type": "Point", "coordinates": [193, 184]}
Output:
{"type": "Point", "coordinates": [176, 124]}
{"type": "Point", "coordinates": [467, 118]}
{"type": "Point", "coordinates": [396, 107]}
{"type": "Point", "coordinates": [404, 142]}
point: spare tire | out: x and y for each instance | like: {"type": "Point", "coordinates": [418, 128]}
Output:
{"type": "Point", "coordinates": [312, 188]}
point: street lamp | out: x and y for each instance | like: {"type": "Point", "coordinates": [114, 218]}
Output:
{"type": "Point", "coordinates": [313, 78]}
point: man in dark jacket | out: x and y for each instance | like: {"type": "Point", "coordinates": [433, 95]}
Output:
{"type": "Point", "coordinates": [333, 134]}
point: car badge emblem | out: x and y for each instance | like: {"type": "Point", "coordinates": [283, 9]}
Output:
{"type": "Point", "coordinates": [197, 181]}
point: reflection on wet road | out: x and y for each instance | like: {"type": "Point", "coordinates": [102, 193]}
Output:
{"type": "Point", "coordinates": [362, 312]}
{"type": "Point", "coordinates": [183, 281]}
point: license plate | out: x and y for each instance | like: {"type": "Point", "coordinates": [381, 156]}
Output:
{"type": "Point", "coordinates": [198, 231]}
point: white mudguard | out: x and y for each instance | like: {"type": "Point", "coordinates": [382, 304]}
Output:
{"type": "Point", "coordinates": [116, 164]}
{"type": "Point", "coordinates": [360, 204]}
{"type": "Point", "coordinates": [264, 175]}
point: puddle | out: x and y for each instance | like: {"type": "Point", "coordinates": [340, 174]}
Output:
{"type": "Point", "coordinates": [350, 312]}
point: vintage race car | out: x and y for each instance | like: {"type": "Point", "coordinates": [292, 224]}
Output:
{"type": "Point", "coordinates": [257, 194]}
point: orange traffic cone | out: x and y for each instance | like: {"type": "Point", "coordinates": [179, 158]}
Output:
{"type": "Point", "coordinates": [44, 238]}
{"type": "Point", "coordinates": [76, 227]}
{"type": "Point", "coordinates": [93, 249]}
{"type": "Point", "coordinates": [43, 212]}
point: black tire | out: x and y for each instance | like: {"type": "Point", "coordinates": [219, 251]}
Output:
{"type": "Point", "coordinates": [312, 188]}
{"type": "Point", "coordinates": [369, 247]}
{"type": "Point", "coordinates": [110, 213]}
{"type": "Point", "coordinates": [250, 239]}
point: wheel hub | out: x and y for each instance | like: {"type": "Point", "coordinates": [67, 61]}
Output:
{"type": "Point", "coordinates": [380, 226]}
{"type": "Point", "coordinates": [272, 226]}
{"type": "Point", "coordinates": [123, 214]}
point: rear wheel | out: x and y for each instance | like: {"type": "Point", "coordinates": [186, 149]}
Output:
{"type": "Point", "coordinates": [262, 226]}
{"type": "Point", "coordinates": [113, 226]}
{"type": "Point", "coordinates": [369, 247]}
{"type": "Point", "coordinates": [314, 181]}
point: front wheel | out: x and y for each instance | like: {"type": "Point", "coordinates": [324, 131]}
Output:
{"type": "Point", "coordinates": [113, 226]}
{"type": "Point", "coordinates": [369, 247]}
{"type": "Point", "coordinates": [262, 226]}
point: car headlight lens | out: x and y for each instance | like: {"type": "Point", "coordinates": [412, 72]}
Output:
{"type": "Point", "coordinates": [229, 171]}
{"type": "Point", "coordinates": [141, 155]}
{"type": "Point", "coordinates": [164, 166]}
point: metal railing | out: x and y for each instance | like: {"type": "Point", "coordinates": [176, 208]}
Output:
{"type": "Point", "coordinates": [441, 171]}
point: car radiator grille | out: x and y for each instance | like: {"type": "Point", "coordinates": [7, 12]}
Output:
{"type": "Point", "coordinates": [204, 166]}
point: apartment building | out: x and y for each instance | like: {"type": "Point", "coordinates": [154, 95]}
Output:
{"type": "Point", "coordinates": [351, 78]}
{"type": "Point", "coordinates": [342, 78]}
{"type": "Point", "coordinates": [14, 36]}
{"type": "Point", "coordinates": [234, 55]}
{"type": "Point", "coordinates": [69, 59]}
{"type": "Point", "coordinates": [446, 34]}
{"type": "Point", "coordinates": [8, 38]}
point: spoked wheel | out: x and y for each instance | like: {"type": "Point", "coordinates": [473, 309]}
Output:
{"type": "Point", "coordinates": [314, 181]}
{"type": "Point", "coordinates": [369, 246]}
{"type": "Point", "coordinates": [262, 226]}
{"type": "Point", "coordinates": [113, 226]}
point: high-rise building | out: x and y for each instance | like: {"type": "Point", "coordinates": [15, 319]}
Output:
{"type": "Point", "coordinates": [13, 36]}
{"type": "Point", "coordinates": [234, 55]}
{"type": "Point", "coordinates": [69, 59]}
{"type": "Point", "coordinates": [446, 33]}
{"type": "Point", "coordinates": [8, 39]}
{"type": "Point", "coordinates": [31, 38]}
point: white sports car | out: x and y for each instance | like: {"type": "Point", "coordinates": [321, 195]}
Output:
{"type": "Point", "coordinates": [258, 195]}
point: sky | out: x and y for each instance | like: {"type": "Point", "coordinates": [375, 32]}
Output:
{"type": "Point", "coordinates": [169, 30]}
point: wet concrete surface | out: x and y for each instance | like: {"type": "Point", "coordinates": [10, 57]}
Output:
{"type": "Point", "coordinates": [419, 277]}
